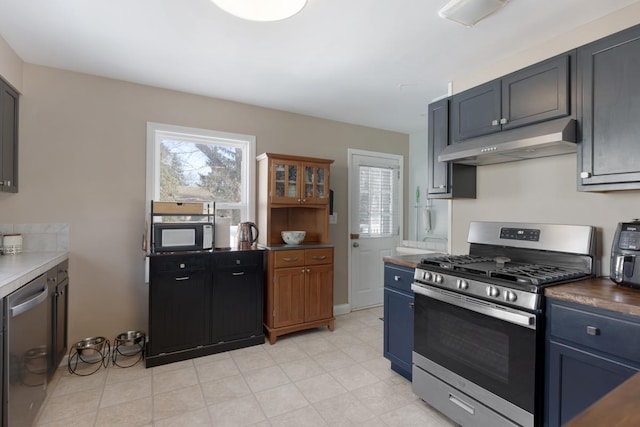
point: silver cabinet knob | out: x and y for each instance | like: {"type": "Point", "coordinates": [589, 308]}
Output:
{"type": "Point", "coordinates": [356, 244]}
{"type": "Point", "coordinates": [494, 123]}
{"type": "Point", "coordinates": [584, 175]}
{"type": "Point", "coordinates": [396, 278]}
{"type": "Point", "coordinates": [503, 121]}
{"type": "Point", "coordinates": [592, 330]}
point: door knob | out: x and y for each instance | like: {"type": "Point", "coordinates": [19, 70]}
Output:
{"type": "Point", "coordinates": [356, 244]}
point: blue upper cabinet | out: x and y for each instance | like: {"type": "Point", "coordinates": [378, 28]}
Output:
{"type": "Point", "coordinates": [540, 92]}
{"type": "Point", "coordinates": [609, 83]}
{"type": "Point", "coordinates": [398, 318]}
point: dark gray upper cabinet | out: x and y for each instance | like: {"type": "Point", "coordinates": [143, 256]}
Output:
{"type": "Point", "coordinates": [476, 111]}
{"type": "Point", "coordinates": [609, 82]}
{"type": "Point", "coordinates": [534, 94]}
{"type": "Point", "coordinates": [446, 180]}
{"type": "Point", "coordinates": [8, 138]}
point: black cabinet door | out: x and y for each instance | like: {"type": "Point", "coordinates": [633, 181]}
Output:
{"type": "Point", "coordinates": [446, 180]}
{"type": "Point", "coordinates": [179, 305]}
{"type": "Point", "coordinates": [237, 300]}
{"type": "Point", "coordinates": [537, 93]}
{"type": "Point", "coordinates": [437, 140]}
{"type": "Point", "coordinates": [8, 138]}
{"type": "Point", "coordinates": [61, 321]}
{"type": "Point", "coordinates": [398, 330]}
{"type": "Point", "coordinates": [577, 379]}
{"type": "Point", "coordinates": [609, 79]}
{"type": "Point", "coordinates": [476, 112]}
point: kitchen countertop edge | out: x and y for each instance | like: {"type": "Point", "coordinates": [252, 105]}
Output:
{"type": "Point", "coordinates": [598, 292]}
{"type": "Point", "coordinates": [410, 261]}
{"type": "Point", "coordinates": [19, 269]}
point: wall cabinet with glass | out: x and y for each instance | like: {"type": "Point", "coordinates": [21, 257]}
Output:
{"type": "Point", "coordinates": [293, 194]}
{"type": "Point", "coordinates": [297, 180]}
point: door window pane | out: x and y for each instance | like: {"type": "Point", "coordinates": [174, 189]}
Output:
{"type": "Point", "coordinates": [378, 195]}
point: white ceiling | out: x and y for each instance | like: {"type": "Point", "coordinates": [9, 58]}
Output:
{"type": "Point", "coordinates": [376, 63]}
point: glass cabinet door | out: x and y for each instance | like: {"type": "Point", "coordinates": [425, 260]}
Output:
{"type": "Point", "coordinates": [316, 183]}
{"type": "Point", "coordinates": [284, 182]}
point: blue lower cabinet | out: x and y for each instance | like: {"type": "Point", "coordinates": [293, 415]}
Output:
{"type": "Point", "coordinates": [398, 318]}
{"type": "Point", "coordinates": [590, 352]}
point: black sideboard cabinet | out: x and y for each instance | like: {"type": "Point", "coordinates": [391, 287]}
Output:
{"type": "Point", "coordinates": [204, 303]}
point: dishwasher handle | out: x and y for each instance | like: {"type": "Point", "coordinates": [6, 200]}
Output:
{"type": "Point", "coordinates": [30, 303]}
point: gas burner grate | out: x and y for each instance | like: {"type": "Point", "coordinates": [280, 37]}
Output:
{"type": "Point", "coordinates": [536, 274]}
{"type": "Point", "coordinates": [454, 260]}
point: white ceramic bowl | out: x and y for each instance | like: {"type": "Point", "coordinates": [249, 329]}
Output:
{"type": "Point", "coordinates": [293, 237]}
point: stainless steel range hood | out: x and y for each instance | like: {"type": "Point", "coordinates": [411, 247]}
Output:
{"type": "Point", "coordinates": [529, 142]}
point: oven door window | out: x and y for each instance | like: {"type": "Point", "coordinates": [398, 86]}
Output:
{"type": "Point", "coordinates": [492, 353]}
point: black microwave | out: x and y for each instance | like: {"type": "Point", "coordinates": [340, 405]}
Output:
{"type": "Point", "coordinates": [182, 236]}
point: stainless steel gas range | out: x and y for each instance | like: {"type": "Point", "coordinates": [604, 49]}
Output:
{"type": "Point", "coordinates": [478, 320]}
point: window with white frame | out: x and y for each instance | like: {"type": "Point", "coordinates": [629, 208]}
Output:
{"type": "Point", "coordinates": [199, 165]}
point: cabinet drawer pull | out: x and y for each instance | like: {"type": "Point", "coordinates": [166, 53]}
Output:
{"type": "Point", "coordinates": [396, 278]}
{"type": "Point", "coordinates": [238, 273]}
{"type": "Point", "coordinates": [503, 121]}
{"type": "Point", "coordinates": [319, 257]}
{"type": "Point", "coordinates": [182, 278]}
{"type": "Point", "coordinates": [592, 330]}
{"type": "Point", "coordinates": [295, 258]}
{"type": "Point", "coordinates": [494, 123]}
{"type": "Point", "coordinates": [411, 305]}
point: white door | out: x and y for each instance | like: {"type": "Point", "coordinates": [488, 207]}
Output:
{"type": "Point", "coordinates": [375, 216]}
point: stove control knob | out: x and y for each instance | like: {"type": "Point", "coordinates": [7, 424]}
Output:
{"type": "Point", "coordinates": [438, 278]}
{"type": "Point", "coordinates": [492, 291]}
{"type": "Point", "coordinates": [426, 275]}
{"type": "Point", "coordinates": [510, 296]}
{"type": "Point", "coordinates": [462, 284]}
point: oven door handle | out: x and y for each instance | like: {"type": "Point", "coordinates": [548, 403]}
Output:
{"type": "Point", "coordinates": [517, 318]}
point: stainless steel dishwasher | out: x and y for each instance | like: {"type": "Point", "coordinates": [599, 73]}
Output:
{"type": "Point", "coordinates": [27, 315]}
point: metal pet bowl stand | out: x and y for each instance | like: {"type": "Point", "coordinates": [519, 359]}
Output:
{"type": "Point", "coordinates": [92, 351]}
{"type": "Point", "coordinates": [129, 347]}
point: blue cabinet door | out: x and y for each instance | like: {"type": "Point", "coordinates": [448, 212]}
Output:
{"type": "Point", "coordinates": [577, 379]}
{"type": "Point", "coordinates": [398, 330]}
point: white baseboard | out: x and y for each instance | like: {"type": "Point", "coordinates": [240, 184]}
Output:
{"type": "Point", "coordinates": [341, 309]}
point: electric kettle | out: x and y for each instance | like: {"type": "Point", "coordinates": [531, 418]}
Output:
{"type": "Point", "coordinates": [245, 236]}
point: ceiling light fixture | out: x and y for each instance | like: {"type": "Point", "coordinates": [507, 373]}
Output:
{"type": "Point", "coordinates": [469, 12]}
{"type": "Point", "coordinates": [261, 10]}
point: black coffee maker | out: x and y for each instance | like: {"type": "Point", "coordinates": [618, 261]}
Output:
{"type": "Point", "coordinates": [625, 254]}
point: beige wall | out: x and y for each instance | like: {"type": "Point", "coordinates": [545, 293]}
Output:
{"type": "Point", "coordinates": [544, 190]}
{"type": "Point", "coordinates": [82, 161]}
{"type": "Point", "coordinates": [10, 65]}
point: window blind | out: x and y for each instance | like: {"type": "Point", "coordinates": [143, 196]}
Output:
{"type": "Point", "coordinates": [378, 201]}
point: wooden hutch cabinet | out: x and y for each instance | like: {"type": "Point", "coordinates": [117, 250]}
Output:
{"type": "Point", "coordinates": [293, 194]}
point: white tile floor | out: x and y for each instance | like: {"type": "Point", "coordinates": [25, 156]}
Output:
{"type": "Point", "coordinates": [312, 378]}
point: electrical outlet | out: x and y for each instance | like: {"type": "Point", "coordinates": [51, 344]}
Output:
{"type": "Point", "coordinates": [333, 218]}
